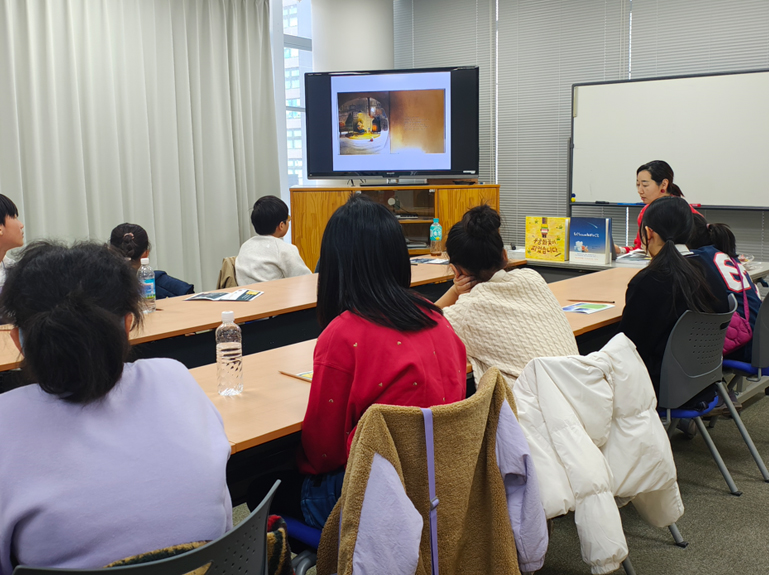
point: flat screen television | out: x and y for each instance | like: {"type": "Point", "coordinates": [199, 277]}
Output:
{"type": "Point", "coordinates": [392, 123]}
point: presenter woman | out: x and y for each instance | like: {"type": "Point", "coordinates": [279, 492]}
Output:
{"type": "Point", "coordinates": [653, 180]}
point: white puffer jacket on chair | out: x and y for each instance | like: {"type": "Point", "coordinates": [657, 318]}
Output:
{"type": "Point", "coordinates": [597, 442]}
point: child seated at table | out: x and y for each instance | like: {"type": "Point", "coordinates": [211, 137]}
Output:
{"type": "Point", "coordinates": [715, 247]}
{"type": "Point", "coordinates": [266, 256]}
{"type": "Point", "coordinates": [132, 242]}
{"type": "Point", "coordinates": [381, 343]}
{"type": "Point", "coordinates": [672, 283]}
{"type": "Point", "coordinates": [101, 459]}
{"type": "Point", "coordinates": [505, 319]}
{"type": "Point", "coordinates": [11, 234]}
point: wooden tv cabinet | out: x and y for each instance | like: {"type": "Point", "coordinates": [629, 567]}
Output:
{"type": "Point", "coordinates": [415, 207]}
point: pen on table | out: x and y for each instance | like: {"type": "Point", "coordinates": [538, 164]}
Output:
{"type": "Point", "coordinates": [593, 300]}
{"type": "Point", "coordinates": [304, 379]}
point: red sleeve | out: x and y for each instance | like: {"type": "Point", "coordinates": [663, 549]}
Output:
{"type": "Point", "coordinates": [323, 431]}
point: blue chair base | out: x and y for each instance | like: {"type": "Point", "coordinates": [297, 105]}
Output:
{"type": "Point", "coordinates": [740, 366]}
{"type": "Point", "coordinates": [310, 536]}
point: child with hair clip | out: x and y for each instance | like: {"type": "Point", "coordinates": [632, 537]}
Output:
{"type": "Point", "coordinates": [132, 242]}
{"type": "Point", "coordinates": [672, 283]}
{"type": "Point", "coordinates": [505, 319]}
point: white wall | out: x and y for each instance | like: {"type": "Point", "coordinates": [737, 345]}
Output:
{"type": "Point", "coordinates": [352, 35]}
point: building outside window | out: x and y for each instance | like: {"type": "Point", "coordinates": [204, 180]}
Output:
{"type": "Point", "coordinates": [297, 60]}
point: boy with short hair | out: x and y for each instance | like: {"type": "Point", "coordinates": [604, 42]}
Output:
{"type": "Point", "coordinates": [266, 256]}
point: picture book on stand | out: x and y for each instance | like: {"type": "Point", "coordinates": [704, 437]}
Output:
{"type": "Point", "coordinates": [547, 238]}
{"type": "Point", "coordinates": [590, 240]}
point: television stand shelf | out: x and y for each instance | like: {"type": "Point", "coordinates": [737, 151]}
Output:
{"type": "Point", "coordinates": [417, 205]}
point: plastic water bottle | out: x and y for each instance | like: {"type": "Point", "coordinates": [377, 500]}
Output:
{"type": "Point", "coordinates": [436, 235]}
{"type": "Point", "coordinates": [147, 279]}
{"type": "Point", "coordinates": [229, 356]}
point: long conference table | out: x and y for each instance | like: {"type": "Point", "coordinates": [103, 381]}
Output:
{"type": "Point", "coordinates": [183, 329]}
{"type": "Point", "coordinates": [272, 405]}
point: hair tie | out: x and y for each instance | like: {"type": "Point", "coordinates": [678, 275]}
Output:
{"type": "Point", "coordinates": [128, 235]}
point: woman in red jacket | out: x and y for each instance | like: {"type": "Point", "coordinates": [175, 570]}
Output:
{"type": "Point", "coordinates": [653, 180]}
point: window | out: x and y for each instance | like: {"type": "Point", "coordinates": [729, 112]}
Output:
{"type": "Point", "coordinates": [297, 60]}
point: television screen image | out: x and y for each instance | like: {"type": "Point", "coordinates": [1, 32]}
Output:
{"type": "Point", "coordinates": [392, 123]}
{"type": "Point", "coordinates": [397, 122]}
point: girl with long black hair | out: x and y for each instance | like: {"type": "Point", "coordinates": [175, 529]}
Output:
{"type": "Point", "coordinates": [672, 283]}
{"type": "Point", "coordinates": [381, 343]}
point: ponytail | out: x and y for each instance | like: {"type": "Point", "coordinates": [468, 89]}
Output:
{"type": "Point", "coordinates": [130, 241]}
{"type": "Point", "coordinates": [674, 190]}
{"type": "Point", "coordinates": [671, 219]}
{"type": "Point", "coordinates": [719, 236]}
{"type": "Point", "coordinates": [69, 305]}
{"type": "Point", "coordinates": [76, 350]}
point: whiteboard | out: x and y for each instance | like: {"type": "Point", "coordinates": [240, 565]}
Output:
{"type": "Point", "coordinates": [712, 130]}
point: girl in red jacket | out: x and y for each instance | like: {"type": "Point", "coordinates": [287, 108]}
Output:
{"type": "Point", "coordinates": [381, 343]}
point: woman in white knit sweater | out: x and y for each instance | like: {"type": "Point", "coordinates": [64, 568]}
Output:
{"type": "Point", "coordinates": [505, 319]}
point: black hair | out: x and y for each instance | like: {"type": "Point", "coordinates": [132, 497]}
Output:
{"type": "Point", "coordinates": [130, 241]}
{"type": "Point", "coordinates": [7, 209]}
{"type": "Point", "coordinates": [719, 236]}
{"type": "Point", "coordinates": [661, 170]}
{"type": "Point", "coordinates": [69, 304]}
{"type": "Point", "coordinates": [671, 219]}
{"type": "Point", "coordinates": [364, 268]}
{"type": "Point", "coordinates": [267, 215]}
{"type": "Point", "coordinates": [475, 244]}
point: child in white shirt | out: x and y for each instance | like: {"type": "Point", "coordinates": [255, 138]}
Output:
{"type": "Point", "coordinates": [266, 256]}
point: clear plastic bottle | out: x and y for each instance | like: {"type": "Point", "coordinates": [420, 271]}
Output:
{"type": "Point", "coordinates": [229, 356]}
{"type": "Point", "coordinates": [436, 235]}
{"type": "Point", "coordinates": [147, 279]}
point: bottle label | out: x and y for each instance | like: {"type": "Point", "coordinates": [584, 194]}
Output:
{"type": "Point", "coordinates": [435, 233]}
{"type": "Point", "coordinates": [148, 288]}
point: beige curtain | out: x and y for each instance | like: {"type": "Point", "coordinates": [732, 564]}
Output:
{"type": "Point", "coordinates": [156, 112]}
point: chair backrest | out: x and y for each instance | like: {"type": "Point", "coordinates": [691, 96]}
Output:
{"type": "Point", "coordinates": [761, 337]}
{"type": "Point", "coordinates": [693, 355]}
{"type": "Point", "coordinates": [242, 551]}
{"type": "Point", "coordinates": [227, 277]}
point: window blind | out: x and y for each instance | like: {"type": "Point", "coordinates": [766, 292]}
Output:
{"type": "Point", "coordinates": [438, 33]}
{"type": "Point", "coordinates": [544, 48]}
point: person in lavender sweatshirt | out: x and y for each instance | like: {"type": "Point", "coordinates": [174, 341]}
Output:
{"type": "Point", "coordinates": [100, 459]}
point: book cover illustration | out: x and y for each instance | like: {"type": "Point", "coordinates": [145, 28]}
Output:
{"type": "Point", "coordinates": [547, 238]}
{"type": "Point", "coordinates": [590, 240]}
{"type": "Point", "coordinates": [237, 295]}
{"type": "Point", "coordinates": [587, 307]}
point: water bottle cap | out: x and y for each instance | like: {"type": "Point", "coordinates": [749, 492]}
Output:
{"type": "Point", "coordinates": [228, 316]}
{"type": "Point", "coordinates": [145, 261]}
{"type": "Point", "coordinates": [435, 220]}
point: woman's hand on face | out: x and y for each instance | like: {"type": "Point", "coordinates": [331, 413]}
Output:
{"type": "Point", "coordinates": [463, 283]}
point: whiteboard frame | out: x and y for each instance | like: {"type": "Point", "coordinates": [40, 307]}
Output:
{"type": "Point", "coordinates": [639, 80]}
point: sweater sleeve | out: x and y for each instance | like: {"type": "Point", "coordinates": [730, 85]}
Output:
{"type": "Point", "coordinates": [293, 265]}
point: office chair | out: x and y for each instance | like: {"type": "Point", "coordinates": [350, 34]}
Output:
{"type": "Point", "coordinates": [241, 551]}
{"type": "Point", "coordinates": [692, 363]}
